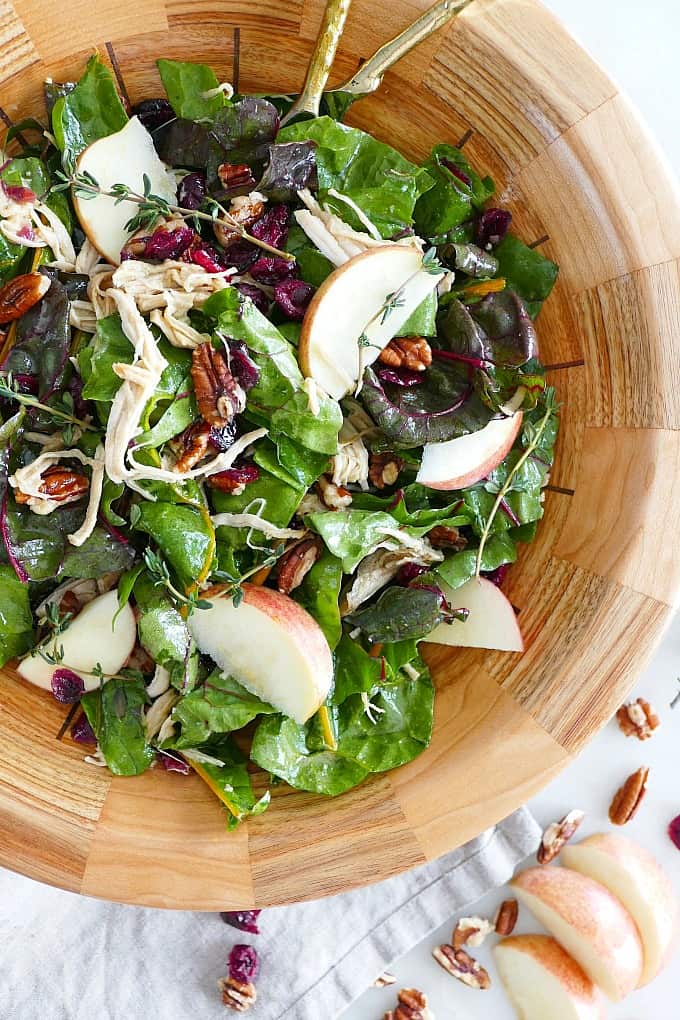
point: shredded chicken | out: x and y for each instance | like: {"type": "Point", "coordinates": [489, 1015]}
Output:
{"type": "Point", "coordinates": [380, 566]}
{"type": "Point", "coordinates": [28, 479]}
{"type": "Point", "coordinates": [148, 283]}
{"type": "Point", "coordinates": [96, 487]}
{"type": "Point", "coordinates": [99, 291]}
{"type": "Point", "coordinates": [87, 258]}
{"type": "Point", "coordinates": [314, 393]}
{"type": "Point", "coordinates": [225, 88]}
{"type": "Point", "coordinates": [258, 523]}
{"type": "Point", "coordinates": [167, 730]}
{"type": "Point", "coordinates": [35, 225]}
{"type": "Point", "coordinates": [82, 315]}
{"type": "Point", "coordinates": [350, 463]}
{"type": "Point", "coordinates": [159, 711]}
{"type": "Point", "coordinates": [160, 682]}
{"type": "Point", "coordinates": [173, 320]}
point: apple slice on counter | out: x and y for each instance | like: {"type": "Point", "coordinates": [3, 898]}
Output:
{"type": "Point", "coordinates": [545, 983]}
{"type": "Point", "coordinates": [632, 874]}
{"type": "Point", "coordinates": [269, 644]}
{"type": "Point", "coordinates": [589, 923]}
{"type": "Point", "coordinates": [492, 622]}
{"type": "Point", "coordinates": [124, 157]}
{"type": "Point", "coordinates": [346, 302]}
{"type": "Point", "coordinates": [463, 461]}
{"type": "Point", "coordinates": [90, 638]}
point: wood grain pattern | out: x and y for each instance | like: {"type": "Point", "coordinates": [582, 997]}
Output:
{"type": "Point", "coordinates": [593, 591]}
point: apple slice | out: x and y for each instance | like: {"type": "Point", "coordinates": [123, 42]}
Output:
{"type": "Point", "coordinates": [492, 622]}
{"type": "Point", "coordinates": [269, 644]}
{"type": "Point", "coordinates": [91, 638]}
{"type": "Point", "coordinates": [631, 873]}
{"type": "Point", "coordinates": [346, 302]}
{"type": "Point", "coordinates": [463, 461]}
{"type": "Point", "coordinates": [591, 924]}
{"type": "Point", "coordinates": [124, 157]}
{"type": "Point", "coordinates": [545, 983]}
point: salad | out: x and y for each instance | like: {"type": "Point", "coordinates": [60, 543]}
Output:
{"type": "Point", "coordinates": [272, 414]}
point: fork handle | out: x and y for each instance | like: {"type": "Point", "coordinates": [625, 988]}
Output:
{"type": "Point", "coordinates": [321, 60]}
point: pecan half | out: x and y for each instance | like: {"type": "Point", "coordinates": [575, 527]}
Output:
{"type": "Point", "coordinates": [470, 931]}
{"type": "Point", "coordinates": [21, 293]}
{"type": "Point", "coordinates": [506, 918]}
{"type": "Point", "coordinates": [296, 563]}
{"type": "Point", "coordinates": [411, 1005]}
{"type": "Point", "coordinates": [236, 175]}
{"type": "Point", "coordinates": [461, 965]}
{"type": "Point", "coordinates": [637, 719]}
{"type": "Point", "coordinates": [244, 209]}
{"type": "Point", "coordinates": [59, 484]}
{"type": "Point", "coordinates": [628, 797]}
{"type": "Point", "coordinates": [335, 497]}
{"type": "Point", "coordinates": [236, 995]}
{"type": "Point", "coordinates": [384, 979]}
{"type": "Point", "coordinates": [218, 395]}
{"type": "Point", "coordinates": [412, 352]}
{"type": "Point", "coordinates": [557, 834]}
{"type": "Point", "coordinates": [384, 469]}
{"type": "Point", "coordinates": [192, 446]}
{"type": "Point", "coordinates": [443, 537]}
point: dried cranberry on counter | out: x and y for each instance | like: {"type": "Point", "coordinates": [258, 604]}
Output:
{"type": "Point", "coordinates": [244, 963]}
{"type": "Point", "coordinates": [244, 920]}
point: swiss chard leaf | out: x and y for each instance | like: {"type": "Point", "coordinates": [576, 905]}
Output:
{"type": "Point", "coordinates": [98, 555]}
{"type": "Point", "coordinates": [351, 534]}
{"type": "Point", "coordinates": [241, 133]}
{"type": "Point", "coordinates": [400, 614]}
{"type": "Point", "coordinates": [291, 167]}
{"type": "Point", "coordinates": [356, 671]}
{"type": "Point", "coordinates": [271, 498]}
{"type": "Point", "coordinates": [92, 110]}
{"type": "Point", "coordinates": [526, 271]}
{"type": "Point", "coordinates": [379, 179]}
{"type": "Point", "coordinates": [183, 534]}
{"type": "Point", "coordinates": [16, 620]}
{"type": "Point", "coordinates": [164, 634]}
{"type": "Point", "coordinates": [114, 711]}
{"type": "Point", "coordinates": [183, 143]}
{"type": "Point", "coordinates": [458, 191]}
{"type": "Point", "coordinates": [319, 594]}
{"type": "Point", "coordinates": [185, 83]}
{"type": "Point", "coordinates": [230, 781]}
{"type": "Point", "coordinates": [108, 346]}
{"type": "Point", "coordinates": [459, 567]}
{"type": "Point", "coordinates": [219, 705]}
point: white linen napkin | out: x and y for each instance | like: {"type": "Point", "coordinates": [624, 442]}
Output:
{"type": "Point", "coordinates": [67, 957]}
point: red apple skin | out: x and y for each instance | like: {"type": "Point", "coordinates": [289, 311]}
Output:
{"type": "Point", "coordinates": [548, 954]}
{"type": "Point", "coordinates": [595, 915]}
{"type": "Point", "coordinates": [484, 468]}
{"type": "Point", "coordinates": [294, 619]}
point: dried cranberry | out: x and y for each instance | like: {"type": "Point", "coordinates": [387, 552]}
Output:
{"type": "Point", "coordinates": [223, 436]}
{"type": "Point", "coordinates": [400, 376]}
{"type": "Point", "coordinates": [18, 193]}
{"type": "Point", "coordinates": [191, 191]}
{"type": "Point", "coordinates": [205, 256]}
{"type": "Point", "coordinates": [257, 296]}
{"type": "Point", "coordinates": [82, 732]}
{"type": "Point", "coordinates": [162, 244]}
{"type": "Point", "coordinates": [26, 383]}
{"type": "Point", "coordinates": [270, 269]}
{"type": "Point", "coordinates": [235, 477]}
{"type": "Point", "coordinates": [27, 233]}
{"type": "Point", "coordinates": [498, 575]}
{"type": "Point", "coordinates": [674, 831]}
{"type": "Point", "coordinates": [154, 113]}
{"type": "Point", "coordinates": [273, 226]}
{"type": "Point", "coordinates": [409, 572]}
{"type": "Point", "coordinates": [172, 764]}
{"type": "Point", "coordinates": [241, 365]}
{"type": "Point", "coordinates": [492, 226]}
{"type": "Point", "coordinates": [244, 920]}
{"type": "Point", "coordinates": [244, 964]}
{"type": "Point", "coordinates": [67, 686]}
{"type": "Point", "coordinates": [456, 171]}
{"type": "Point", "coordinates": [293, 297]}
{"type": "Point", "coordinates": [241, 255]}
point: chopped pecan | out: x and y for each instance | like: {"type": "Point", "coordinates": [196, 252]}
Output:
{"type": "Point", "coordinates": [192, 446]}
{"type": "Point", "coordinates": [218, 395]}
{"type": "Point", "coordinates": [296, 563]}
{"type": "Point", "coordinates": [335, 497]}
{"type": "Point", "coordinates": [245, 210]}
{"type": "Point", "coordinates": [411, 1005]}
{"type": "Point", "coordinates": [557, 834]}
{"type": "Point", "coordinates": [443, 537]}
{"type": "Point", "coordinates": [470, 931]}
{"type": "Point", "coordinates": [411, 352]}
{"type": "Point", "coordinates": [235, 175]}
{"type": "Point", "coordinates": [637, 718]}
{"type": "Point", "coordinates": [21, 293]}
{"type": "Point", "coordinates": [461, 965]}
{"type": "Point", "coordinates": [384, 979]}
{"type": "Point", "coordinates": [506, 918]}
{"type": "Point", "coordinates": [384, 469]}
{"type": "Point", "coordinates": [237, 995]}
{"type": "Point", "coordinates": [628, 797]}
{"type": "Point", "coordinates": [59, 484]}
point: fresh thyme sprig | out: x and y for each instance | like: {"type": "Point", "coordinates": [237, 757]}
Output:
{"type": "Point", "coordinates": [57, 622]}
{"type": "Point", "coordinates": [154, 207]}
{"type": "Point", "coordinates": [534, 440]}
{"type": "Point", "coordinates": [235, 583]}
{"type": "Point", "coordinates": [160, 573]}
{"type": "Point", "coordinates": [10, 389]}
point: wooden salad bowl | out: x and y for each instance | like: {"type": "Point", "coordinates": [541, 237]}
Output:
{"type": "Point", "coordinates": [594, 590]}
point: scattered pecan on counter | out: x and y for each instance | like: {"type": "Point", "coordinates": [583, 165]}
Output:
{"type": "Point", "coordinates": [462, 966]}
{"type": "Point", "coordinates": [557, 834]}
{"type": "Point", "coordinates": [412, 352]}
{"type": "Point", "coordinates": [21, 293]}
{"type": "Point", "coordinates": [628, 797]}
{"type": "Point", "coordinates": [384, 979]}
{"type": "Point", "coordinates": [471, 931]}
{"type": "Point", "coordinates": [506, 918]}
{"type": "Point", "coordinates": [637, 719]}
{"type": "Point", "coordinates": [411, 1005]}
{"type": "Point", "coordinates": [237, 995]}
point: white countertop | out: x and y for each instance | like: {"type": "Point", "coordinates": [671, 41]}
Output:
{"type": "Point", "coordinates": [638, 46]}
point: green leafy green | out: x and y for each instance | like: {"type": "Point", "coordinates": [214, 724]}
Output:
{"type": "Point", "coordinates": [230, 781]}
{"type": "Point", "coordinates": [182, 533]}
{"type": "Point", "coordinates": [351, 534]}
{"type": "Point", "coordinates": [356, 671]}
{"type": "Point", "coordinates": [459, 567]}
{"type": "Point", "coordinates": [423, 320]}
{"type": "Point", "coordinates": [400, 614]}
{"type": "Point", "coordinates": [99, 554]}
{"type": "Point", "coordinates": [114, 711]}
{"type": "Point", "coordinates": [219, 705]}
{"type": "Point", "coordinates": [92, 110]}
{"type": "Point", "coordinates": [526, 271]}
{"type": "Point", "coordinates": [451, 201]}
{"type": "Point", "coordinates": [375, 176]}
{"type": "Point", "coordinates": [164, 634]}
{"type": "Point", "coordinates": [108, 346]}
{"type": "Point", "coordinates": [185, 83]}
{"type": "Point", "coordinates": [16, 620]}
{"type": "Point", "coordinates": [319, 594]}
{"type": "Point", "coordinates": [269, 497]}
